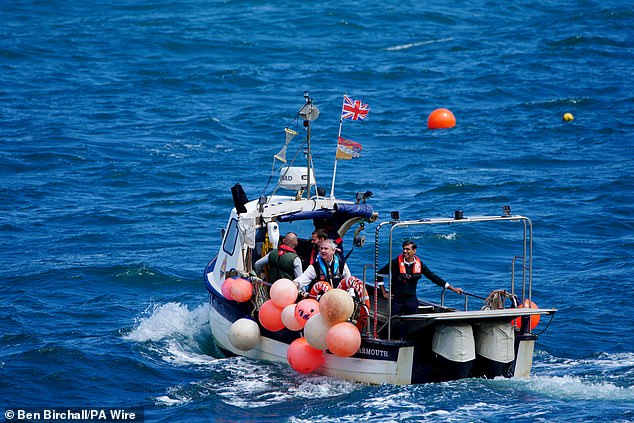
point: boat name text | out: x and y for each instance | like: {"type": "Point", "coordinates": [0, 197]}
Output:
{"type": "Point", "coordinates": [374, 352]}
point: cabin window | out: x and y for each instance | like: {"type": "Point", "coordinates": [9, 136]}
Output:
{"type": "Point", "coordinates": [231, 238]}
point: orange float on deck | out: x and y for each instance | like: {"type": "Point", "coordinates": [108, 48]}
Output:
{"type": "Point", "coordinates": [283, 292]}
{"type": "Point", "coordinates": [241, 290]}
{"type": "Point", "coordinates": [302, 357]}
{"type": "Point", "coordinates": [226, 288]}
{"type": "Point", "coordinates": [534, 318]}
{"type": "Point", "coordinates": [305, 309]}
{"type": "Point", "coordinates": [343, 339]}
{"type": "Point", "coordinates": [270, 316]}
{"type": "Point", "coordinates": [441, 119]}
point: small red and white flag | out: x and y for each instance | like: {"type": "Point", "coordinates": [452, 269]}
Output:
{"type": "Point", "coordinates": [347, 150]}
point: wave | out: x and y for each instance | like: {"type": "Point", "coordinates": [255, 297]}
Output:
{"type": "Point", "coordinates": [606, 377]}
{"type": "Point", "coordinates": [577, 388]}
{"type": "Point", "coordinates": [247, 384]}
{"type": "Point", "coordinates": [417, 44]}
{"type": "Point", "coordinates": [172, 333]}
{"type": "Point", "coordinates": [247, 389]}
{"type": "Point", "coordinates": [175, 334]}
{"type": "Point", "coordinates": [169, 322]}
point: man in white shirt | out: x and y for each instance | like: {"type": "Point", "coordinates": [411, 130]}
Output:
{"type": "Point", "coordinates": [329, 267]}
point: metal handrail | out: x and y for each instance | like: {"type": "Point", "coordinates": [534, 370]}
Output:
{"type": "Point", "coordinates": [376, 279]}
{"type": "Point", "coordinates": [527, 256]}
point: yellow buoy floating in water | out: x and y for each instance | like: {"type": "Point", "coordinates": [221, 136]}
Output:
{"type": "Point", "coordinates": [568, 117]}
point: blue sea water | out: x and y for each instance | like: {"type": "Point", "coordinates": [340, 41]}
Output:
{"type": "Point", "coordinates": [123, 125]}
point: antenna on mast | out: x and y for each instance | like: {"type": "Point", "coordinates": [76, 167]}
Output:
{"type": "Point", "coordinates": [308, 113]}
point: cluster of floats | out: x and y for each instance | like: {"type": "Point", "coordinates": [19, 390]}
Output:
{"type": "Point", "coordinates": [349, 331]}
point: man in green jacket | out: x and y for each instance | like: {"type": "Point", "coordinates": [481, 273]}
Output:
{"type": "Point", "coordinates": [283, 262]}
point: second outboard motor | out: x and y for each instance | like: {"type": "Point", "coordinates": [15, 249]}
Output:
{"type": "Point", "coordinates": [454, 347]}
{"type": "Point", "coordinates": [495, 350]}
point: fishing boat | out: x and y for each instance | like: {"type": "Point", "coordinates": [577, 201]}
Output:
{"type": "Point", "coordinates": [489, 336]}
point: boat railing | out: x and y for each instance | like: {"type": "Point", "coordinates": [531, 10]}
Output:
{"type": "Point", "coordinates": [459, 218]}
{"type": "Point", "coordinates": [466, 299]}
{"type": "Point", "coordinates": [515, 258]}
{"type": "Point", "coordinates": [375, 300]}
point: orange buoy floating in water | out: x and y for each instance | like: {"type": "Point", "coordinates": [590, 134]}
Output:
{"type": "Point", "coordinates": [534, 318]}
{"type": "Point", "coordinates": [441, 119]}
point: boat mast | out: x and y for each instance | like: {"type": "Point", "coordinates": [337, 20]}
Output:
{"type": "Point", "coordinates": [308, 112]}
{"type": "Point", "coordinates": [308, 153]}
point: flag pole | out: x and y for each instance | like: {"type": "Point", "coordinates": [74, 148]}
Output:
{"type": "Point", "coordinates": [334, 172]}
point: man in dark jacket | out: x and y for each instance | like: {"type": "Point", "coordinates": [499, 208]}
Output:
{"type": "Point", "coordinates": [407, 269]}
{"type": "Point", "coordinates": [317, 237]}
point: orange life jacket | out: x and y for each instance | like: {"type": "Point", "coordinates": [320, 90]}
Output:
{"type": "Point", "coordinates": [416, 269]}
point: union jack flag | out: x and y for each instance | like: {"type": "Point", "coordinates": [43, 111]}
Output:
{"type": "Point", "coordinates": [353, 109]}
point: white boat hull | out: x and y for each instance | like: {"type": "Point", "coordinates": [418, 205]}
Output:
{"type": "Point", "coordinates": [381, 361]}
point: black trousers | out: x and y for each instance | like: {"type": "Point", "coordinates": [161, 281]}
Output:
{"type": "Point", "coordinates": [404, 305]}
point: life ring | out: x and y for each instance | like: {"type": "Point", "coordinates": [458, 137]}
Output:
{"type": "Point", "coordinates": [319, 289]}
{"type": "Point", "coordinates": [361, 297]}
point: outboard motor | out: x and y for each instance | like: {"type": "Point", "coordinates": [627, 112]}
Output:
{"type": "Point", "coordinates": [495, 350]}
{"type": "Point", "coordinates": [454, 347]}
